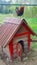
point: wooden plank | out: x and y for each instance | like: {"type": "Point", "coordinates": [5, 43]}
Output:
{"type": "Point", "coordinates": [24, 38]}
{"type": "Point", "coordinates": [21, 34]}
{"type": "Point", "coordinates": [33, 40]}
{"type": "Point", "coordinates": [6, 51]}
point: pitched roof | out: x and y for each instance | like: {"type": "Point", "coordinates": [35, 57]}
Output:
{"type": "Point", "coordinates": [9, 28]}
{"type": "Point", "coordinates": [27, 27]}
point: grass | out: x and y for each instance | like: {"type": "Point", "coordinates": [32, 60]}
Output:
{"type": "Point", "coordinates": [3, 16]}
{"type": "Point", "coordinates": [34, 45]}
{"type": "Point", "coordinates": [32, 22]}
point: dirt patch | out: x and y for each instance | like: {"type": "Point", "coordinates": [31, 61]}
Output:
{"type": "Point", "coordinates": [30, 59]}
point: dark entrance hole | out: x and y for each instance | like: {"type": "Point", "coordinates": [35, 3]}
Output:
{"type": "Point", "coordinates": [22, 44]}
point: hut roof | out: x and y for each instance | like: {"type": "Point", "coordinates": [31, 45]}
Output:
{"type": "Point", "coordinates": [9, 28]}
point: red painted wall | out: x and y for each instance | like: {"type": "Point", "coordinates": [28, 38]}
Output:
{"type": "Point", "coordinates": [11, 48]}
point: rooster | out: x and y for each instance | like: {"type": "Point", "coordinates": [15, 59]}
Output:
{"type": "Point", "coordinates": [20, 11]}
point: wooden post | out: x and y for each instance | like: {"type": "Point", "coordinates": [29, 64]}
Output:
{"type": "Point", "coordinates": [11, 49]}
{"type": "Point", "coordinates": [29, 42]}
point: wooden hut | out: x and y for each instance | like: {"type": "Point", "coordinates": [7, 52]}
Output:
{"type": "Point", "coordinates": [12, 31]}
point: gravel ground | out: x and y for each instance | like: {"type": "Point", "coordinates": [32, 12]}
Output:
{"type": "Point", "coordinates": [2, 63]}
{"type": "Point", "coordinates": [31, 60]}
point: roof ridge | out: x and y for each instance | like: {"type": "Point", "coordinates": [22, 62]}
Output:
{"type": "Point", "coordinates": [12, 20]}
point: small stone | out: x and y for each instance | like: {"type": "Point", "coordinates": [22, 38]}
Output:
{"type": "Point", "coordinates": [24, 59]}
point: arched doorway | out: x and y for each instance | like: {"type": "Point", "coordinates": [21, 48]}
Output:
{"type": "Point", "coordinates": [20, 48]}
{"type": "Point", "coordinates": [21, 42]}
